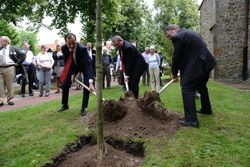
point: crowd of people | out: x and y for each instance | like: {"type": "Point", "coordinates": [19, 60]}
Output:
{"type": "Point", "coordinates": [191, 59]}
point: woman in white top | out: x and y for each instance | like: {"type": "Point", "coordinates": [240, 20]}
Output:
{"type": "Point", "coordinates": [45, 62]}
{"type": "Point", "coordinates": [154, 70]}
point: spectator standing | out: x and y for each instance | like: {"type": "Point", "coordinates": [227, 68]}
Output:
{"type": "Point", "coordinates": [106, 61]}
{"type": "Point", "coordinates": [160, 67]}
{"type": "Point", "coordinates": [58, 66]}
{"type": "Point", "coordinates": [92, 54]}
{"type": "Point", "coordinates": [154, 69]}
{"type": "Point", "coordinates": [45, 62]}
{"type": "Point", "coordinates": [28, 69]}
{"type": "Point", "coordinates": [10, 57]}
{"type": "Point", "coordinates": [114, 67]}
{"type": "Point", "coordinates": [145, 76]}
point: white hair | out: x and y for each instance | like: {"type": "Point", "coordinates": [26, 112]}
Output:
{"type": "Point", "coordinates": [6, 38]}
{"type": "Point", "coordinates": [152, 47]}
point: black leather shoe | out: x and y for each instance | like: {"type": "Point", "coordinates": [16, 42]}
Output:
{"type": "Point", "coordinates": [83, 112]}
{"type": "Point", "coordinates": [1, 104]}
{"type": "Point", "coordinates": [191, 124]}
{"type": "Point", "coordinates": [11, 103]}
{"type": "Point", "coordinates": [63, 108]}
{"type": "Point", "coordinates": [204, 112]}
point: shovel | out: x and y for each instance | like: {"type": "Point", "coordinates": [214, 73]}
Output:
{"type": "Point", "coordinates": [167, 85]}
{"type": "Point", "coordinates": [126, 82]}
{"type": "Point", "coordinates": [86, 87]}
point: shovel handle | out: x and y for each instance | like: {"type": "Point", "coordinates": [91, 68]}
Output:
{"type": "Point", "coordinates": [126, 82]}
{"type": "Point", "coordinates": [167, 85]}
{"type": "Point", "coordinates": [86, 87]}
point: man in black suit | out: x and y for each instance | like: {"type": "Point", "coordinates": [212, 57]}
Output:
{"type": "Point", "coordinates": [77, 59]}
{"type": "Point", "coordinates": [194, 61]}
{"type": "Point", "coordinates": [133, 63]}
{"type": "Point", "coordinates": [92, 54]}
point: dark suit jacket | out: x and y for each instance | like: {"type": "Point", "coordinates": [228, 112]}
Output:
{"type": "Point", "coordinates": [132, 59]}
{"type": "Point", "coordinates": [83, 61]}
{"type": "Point", "coordinates": [16, 55]}
{"type": "Point", "coordinates": [93, 61]}
{"type": "Point", "coordinates": [190, 56]}
{"type": "Point", "coordinates": [57, 59]}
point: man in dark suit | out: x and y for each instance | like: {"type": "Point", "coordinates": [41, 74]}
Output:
{"type": "Point", "coordinates": [92, 54]}
{"type": "Point", "coordinates": [194, 61]}
{"type": "Point", "coordinates": [133, 63]}
{"type": "Point", "coordinates": [76, 60]}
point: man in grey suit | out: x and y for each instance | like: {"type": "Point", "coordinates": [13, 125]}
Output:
{"type": "Point", "coordinates": [194, 61]}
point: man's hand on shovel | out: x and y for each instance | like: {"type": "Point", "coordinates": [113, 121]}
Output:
{"type": "Point", "coordinates": [73, 78]}
{"type": "Point", "coordinates": [92, 87]}
{"type": "Point", "coordinates": [126, 78]}
{"type": "Point", "coordinates": [175, 78]}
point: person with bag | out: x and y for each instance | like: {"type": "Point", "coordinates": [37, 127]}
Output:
{"type": "Point", "coordinates": [44, 63]}
{"type": "Point", "coordinates": [10, 57]}
{"type": "Point", "coordinates": [154, 69]}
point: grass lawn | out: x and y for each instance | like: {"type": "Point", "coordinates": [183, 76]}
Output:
{"type": "Point", "coordinates": [31, 136]}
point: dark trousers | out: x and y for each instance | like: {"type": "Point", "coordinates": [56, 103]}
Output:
{"type": "Point", "coordinates": [188, 95]}
{"type": "Point", "coordinates": [134, 79]}
{"type": "Point", "coordinates": [27, 76]}
{"type": "Point", "coordinates": [65, 90]}
{"type": "Point", "coordinates": [145, 77]}
{"type": "Point", "coordinates": [106, 74]}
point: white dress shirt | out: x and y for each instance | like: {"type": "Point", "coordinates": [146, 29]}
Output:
{"type": "Point", "coordinates": [29, 58]}
{"type": "Point", "coordinates": [5, 56]}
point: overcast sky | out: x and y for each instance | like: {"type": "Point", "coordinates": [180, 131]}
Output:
{"type": "Point", "coordinates": [46, 36]}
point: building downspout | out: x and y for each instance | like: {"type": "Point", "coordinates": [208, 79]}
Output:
{"type": "Point", "coordinates": [245, 49]}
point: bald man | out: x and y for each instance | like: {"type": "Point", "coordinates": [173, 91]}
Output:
{"type": "Point", "coordinates": [10, 57]}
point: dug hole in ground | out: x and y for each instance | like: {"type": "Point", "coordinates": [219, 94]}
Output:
{"type": "Point", "coordinates": [126, 120]}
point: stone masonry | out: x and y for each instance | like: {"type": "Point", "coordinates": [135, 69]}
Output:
{"type": "Point", "coordinates": [222, 27]}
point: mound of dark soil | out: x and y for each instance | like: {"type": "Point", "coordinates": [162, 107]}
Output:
{"type": "Point", "coordinates": [124, 119]}
{"type": "Point", "coordinates": [151, 104]}
{"type": "Point", "coordinates": [145, 117]}
{"type": "Point", "coordinates": [114, 110]}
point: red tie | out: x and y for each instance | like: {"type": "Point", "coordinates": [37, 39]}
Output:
{"type": "Point", "coordinates": [66, 67]}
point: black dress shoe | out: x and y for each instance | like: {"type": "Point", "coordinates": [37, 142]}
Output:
{"type": "Point", "coordinates": [83, 112]}
{"type": "Point", "coordinates": [63, 108]}
{"type": "Point", "coordinates": [191, 124]}
{"type": "Point", "coordinates": [1, 104]}
{"type": "Point", "coordinates": [22, 95]}
{"type": "Point", "coordinates": [204, 112]}
{"type": "Point", "coordinates": [11, 103]}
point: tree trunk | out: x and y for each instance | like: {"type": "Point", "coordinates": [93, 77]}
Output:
{"type": "Point", "coordinates": [100, 137]}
